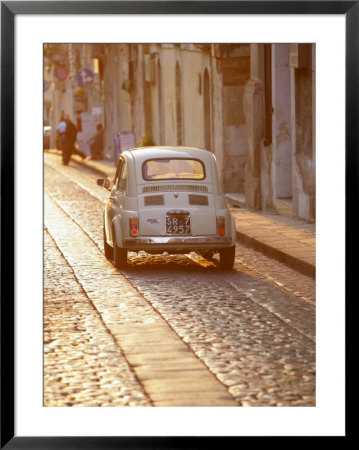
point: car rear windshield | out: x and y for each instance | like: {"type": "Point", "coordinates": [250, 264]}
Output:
{"type": "Point", "coordinates": [173, 169]}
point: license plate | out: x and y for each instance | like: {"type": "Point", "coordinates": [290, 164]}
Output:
{"type": "Point", "coordinates": [178, 225]}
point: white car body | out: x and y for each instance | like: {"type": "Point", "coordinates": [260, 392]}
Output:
{"type": "Point", "coordinates": [167, 199]}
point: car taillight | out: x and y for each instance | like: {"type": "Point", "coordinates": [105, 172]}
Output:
{"type": "Point", "coordinates": [220, 225]}
{"type": "Point", "coordinates": [133, 226]}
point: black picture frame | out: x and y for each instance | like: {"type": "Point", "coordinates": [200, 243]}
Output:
{"type": "Point", "coordinates": [9, 9]}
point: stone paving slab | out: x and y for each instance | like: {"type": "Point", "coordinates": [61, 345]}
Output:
{"type": "Point", "coordinates": [190, 398]}
{"type": "Point", "coordinates": [290, 241]}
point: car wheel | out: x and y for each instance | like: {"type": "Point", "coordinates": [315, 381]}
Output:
{"type": "Point", "coordinates": [119, 257]}
{"type": "Point", "coordinates": [119, 254]}
{"type": "Point", "coordinates": [107, 248]}
{"type": "Point", "coordinates": [226, 258]}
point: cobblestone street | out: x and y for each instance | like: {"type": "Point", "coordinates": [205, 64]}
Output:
{"type": "Point", "coordinates": [168, 330]}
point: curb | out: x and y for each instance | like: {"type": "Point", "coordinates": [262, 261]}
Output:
{"type": "Point", "coordinates": [291, 261]}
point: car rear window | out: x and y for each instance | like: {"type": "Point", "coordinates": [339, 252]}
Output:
{"type": "Point", "coordinates": [173, 169]}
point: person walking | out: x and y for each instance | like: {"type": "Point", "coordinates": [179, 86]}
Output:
{"type": "Point", "coordinates": [70, 142]}
{"type": "Point", "coordinates": [61, 128]}
{"type": "Point", "coordinates": [96, 143]}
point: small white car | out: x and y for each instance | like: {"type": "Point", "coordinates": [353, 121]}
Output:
{"type": "Point", "coordinates": [167, 199]}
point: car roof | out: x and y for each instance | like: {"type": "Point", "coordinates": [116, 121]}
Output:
{"type": "Point", "coordinates": [137, 156]}
{"type": "Point", "coordinates": [141, 154]}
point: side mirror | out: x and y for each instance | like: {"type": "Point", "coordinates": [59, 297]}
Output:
{"type": "Point", "coordinates": [104, 182]}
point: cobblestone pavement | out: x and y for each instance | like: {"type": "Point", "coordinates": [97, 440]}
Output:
{"type": "Point", "coordinates": [253, 328]}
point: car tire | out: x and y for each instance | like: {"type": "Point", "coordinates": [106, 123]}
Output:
{"type": "Point", "coordinates": [207, 254]}
{"type": "Point", "coordinates": [226, 258]}
{"type": "Point", "coordinates": [107, 248]}
{"type": "Point", "coordinates": [119, 257]}
{"type": "Point", "coordinates": [119, 254]}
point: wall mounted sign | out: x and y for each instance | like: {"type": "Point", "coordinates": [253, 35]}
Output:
{"type": "Point", "coordinates": [85, 76]}
{"type": "Point", "coordinates": [61, 73]}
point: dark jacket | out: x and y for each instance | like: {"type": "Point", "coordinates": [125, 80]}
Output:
{"type": "Point", "coordinates": [70, 132]}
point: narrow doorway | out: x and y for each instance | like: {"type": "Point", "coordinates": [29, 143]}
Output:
{"type": "Point", "coordinates": [179, 105]}
{"type": "Point", "coordinates": [282, 129]}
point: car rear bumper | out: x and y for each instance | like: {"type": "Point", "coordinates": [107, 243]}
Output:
{"type": "Point", "coordinates": [187, 242]}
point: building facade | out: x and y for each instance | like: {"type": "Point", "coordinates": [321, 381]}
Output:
{"type": "Point", "coordinates": [280, 120]}
{"type": "Point", "coordinates": [252, 105]}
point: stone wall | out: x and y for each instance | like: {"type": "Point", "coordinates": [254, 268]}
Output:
{"type": "Point", "coordinates": [253, 108]}
{"type": "Point", "coordinates": [267, 177]}
{"type": "Point", "coordinates": [234, 139]}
